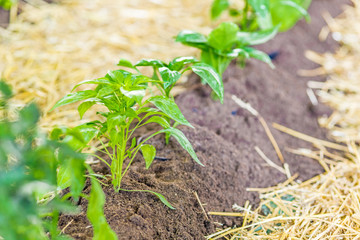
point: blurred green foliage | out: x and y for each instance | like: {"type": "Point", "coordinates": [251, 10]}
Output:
{"type": "Point", "coordinates": [6, 4]}
{"type": "Point", "coordinates": [30, 200]}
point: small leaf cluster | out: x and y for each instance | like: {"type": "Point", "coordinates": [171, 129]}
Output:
{"type": "Point", "coordinates": [29, 176]}
{"type": "Point", "coordinates": [167, 74]}
{"type": "Point", "coordinates": [227, 42]}
{"type": "Point", "coordinates": [121, 93]}
{"type": "Point", "coordinates": [264, 14]}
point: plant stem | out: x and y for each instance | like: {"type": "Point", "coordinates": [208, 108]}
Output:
{"type": "Point", "coordinates": [111, 157]}
{"type": "Point", "coordinates": [136, 149]}
{"type": "Point", "coordinates": [120, 160]}
{"type": "Point", "coordinates": [132, 158]}
{"type": "Point", "coordinates": [244, 21]}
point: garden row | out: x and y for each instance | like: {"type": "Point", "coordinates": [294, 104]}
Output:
{"type": "Point", "coordinates": [36, 168]}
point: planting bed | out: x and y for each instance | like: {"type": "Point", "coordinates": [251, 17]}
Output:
{"type": "Point", "coordinates": [224, 139]}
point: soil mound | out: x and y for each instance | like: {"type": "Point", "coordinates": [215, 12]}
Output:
{"type": "Point", "coordinates": [224, 139]}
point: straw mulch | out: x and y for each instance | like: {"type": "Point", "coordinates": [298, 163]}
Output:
{"type": "Point", "coordinates": [49, 48]}
{"type": "Point", "coordinates": [326, 206]}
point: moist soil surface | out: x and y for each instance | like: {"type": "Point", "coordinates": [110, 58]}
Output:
{"type": "Point", "coordinates": [224, 139]}
{"type": "Point", "coordinates": [4, 17]}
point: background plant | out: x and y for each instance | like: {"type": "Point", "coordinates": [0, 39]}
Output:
{"type": "Point", "coordinates": [122, 93]}
{"type": "Point", "coordinates": [29, 177]}
{"type": "Point", "coordinates": [6, 4]}
{"type": "Point", "coordinates": [227, 42]}
{"type": "Point", "coordinates": [168, 74]}
{"type": "Point", "coordinates": [264, 14]}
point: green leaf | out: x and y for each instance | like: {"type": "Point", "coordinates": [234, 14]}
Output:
{"type": "Point", "coordinates": [136, 95]}
{"type": "Point", "coordinates": [161, 197]}
{"type": "Point", "coordinates": [254, 53]}
{"type": "Point", "coordinates": [287, 12]}
{"type": "Point", "coordinates": [74, 97]}
{"type": "Point", "coordinates": [149, 153]}
{"type": "Point", "coordinates": [5, 89]}
{"type": "Point", "coordinates": [131, 113]}
{"type": "Point", "coordinates": [218, 61]}
{"type": "Point", "coordinates": [77, 177]}
{"type": "Point", "coordinates": [262, 10]}
{"type": "Point", "coordinates": [83, 107]}
{"type": "Point", "coordinates": [258, 37]}
{"type": "Point", "coordinates": [103, 91]}
{"type": "Point", "coordinates": [116, 137]}
{"type": "Point", "coordinates": [78, 137]}
{"type": "Point", "coordinates": [28, 117]}
{"type": "Point", "coordinates": [169, 107]}
{"type": "Point", "coordinates": [95, 213]}
{"type": "Point", "coordinates": [115, 119]}
{"type": "Point", "coordinates": [150, 62]}
{"type": "Point", "coordinates": [234, 53]}
{"type": "Point", "coordinates": [88, 131]}
{"type": "Point", "coordinates": [169, 77]}
{"type": "Point", "coordinates": [297, 7]}
{"type": "Point", "coordinates": [183, 141]}
{"type": "Point", "coordinates": [118, 75]}
{"type": "Point", "coordinates": [133, 142]}
{"type": "Point", "coordinates": [55, 134]}
{"type": "Point", "coordinates": [103, 80]}
{"type": "Point", "coordinates": [224, 36]}
{"type": "Point", "coordinates": [112, 102]}
{"type": "Point", "coordinates": [211, 77]}
{"type": "Point", "coordinates": [217, 7]}
{"type": "Point", "coordinates": [73, 138]}
{"type": "Point", "coordinates": [63, 177]}
{"type": "Point", "coordinates": [71, 174]}
{"type": "Point", "coordinates": [126, 63]}
{"type": "Point", "coordinates": [193, 39]}
{"type": "Point", "coordinates": [160, 120]}
{"type": "Point", "coordinates": [178, 63]}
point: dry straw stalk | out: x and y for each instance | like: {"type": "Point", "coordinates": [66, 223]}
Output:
{"type": "Point", "coordinates": [328, 205]}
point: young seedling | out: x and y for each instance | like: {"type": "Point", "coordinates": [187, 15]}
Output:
{"type": "Point", "coordinates": [227, 42]}
{"type": "Point", "coordinates": [167, 74]}
{"type": "Point", "coordinates": [122, 94]}
{"type": "Point", "coordinates": [264, 14]}
{"type": "Point", "coordinates": [33, 169]}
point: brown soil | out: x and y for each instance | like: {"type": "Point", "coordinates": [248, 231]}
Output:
{"type": "Point", "coordinates": [224, 139]}
{"type": "Point", "coordinates": [4, 17]}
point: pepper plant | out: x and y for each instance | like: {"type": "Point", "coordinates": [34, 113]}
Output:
{"type": "Point", "coordinates": [167, 74]}
{"type": "Point", "coordinates": [30, 166]}
{"type": "Point", "coordinates": [264, 14]}
{"type": "Point", "coordinates": [227, 42]}
{"type": "Point", "coordinates": [122, 94]}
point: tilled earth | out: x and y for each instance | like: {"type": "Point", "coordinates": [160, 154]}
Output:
{"type": "Point", "coordinates": [224, 139]}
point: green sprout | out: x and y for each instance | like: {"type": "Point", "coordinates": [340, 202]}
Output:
{"type": "Point", "coordinates": [122, 93]}
{"type": "Point", "coordinates": [226, 43]}
{"type": "Point", "coordinates": [167, 74]}
{"type": "Point", "coordinates": [264, 14]}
